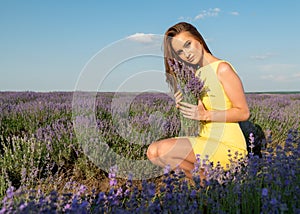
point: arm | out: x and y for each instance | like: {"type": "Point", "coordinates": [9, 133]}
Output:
{"type": "Point", "coordinates": [234, 90]}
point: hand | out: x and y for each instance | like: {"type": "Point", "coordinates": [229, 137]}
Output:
{"type": "Point", "coordinates": [178, 97]}
{"type": "Point", "coordinates": [194, 112]}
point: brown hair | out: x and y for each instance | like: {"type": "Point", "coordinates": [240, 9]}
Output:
{"type": "Point", "coordinates": [169, 52]}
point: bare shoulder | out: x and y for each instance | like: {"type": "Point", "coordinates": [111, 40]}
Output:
{"type": "Point", "coordinates": [224, 67]}
{"type": "Point", "coordinates": [225, 72]}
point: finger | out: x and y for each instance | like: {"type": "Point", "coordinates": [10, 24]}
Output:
{"type": "Point", "coordinates": [178, 100]}
{"type": "Point", "coordinates": [177, 103]}
{"type": "Point", "coordinates": [187, 105]}
{"type": "Point", "coordinates": [186, 111]}
{"type": "Point", "coordinates": [188, 116]}
{"type": "Point", "coordinates": [178, 93]}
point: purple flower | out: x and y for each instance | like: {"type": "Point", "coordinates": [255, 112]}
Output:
{"type": "Point", "coordinates": [67, 207]}
{"type": "Point", "coordinates": [112, 175]}
{"type": "Point", "coordinates": [273, 201]}
{"type": "Point", "coordinates": [167, 169]}
{"type": "Point", "coordinates": [10, 192]}
{"type": "Point", "coordinates": [264, 192]}
{"type": "Point", "coordinates": [251, 141]}
{"type": "Point", "coordinates": [188, 82]}
{"type": "Point", "coordinates": [22, 206]}
{"type": "Point", "coordinates": [193, 89]}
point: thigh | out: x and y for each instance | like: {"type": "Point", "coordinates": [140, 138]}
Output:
{"type": "Point", "coordinates": [176, 148]}
{"type": "Point", "coordinates": [224, 153]}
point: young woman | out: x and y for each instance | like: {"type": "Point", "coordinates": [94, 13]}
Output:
{"type": "Point", "coordinates": [220, 110]}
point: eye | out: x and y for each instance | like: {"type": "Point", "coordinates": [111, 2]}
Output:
{"type": "Point", "coordinates": [179, 52]}
{"type": "Point", "coordinates": [187, 44]}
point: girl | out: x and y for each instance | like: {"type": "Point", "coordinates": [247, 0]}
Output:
{"type": "Point", "coordinates": [219, 111]}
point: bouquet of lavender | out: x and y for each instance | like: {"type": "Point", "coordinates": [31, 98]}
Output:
{"type": "Point", "coordinates": [193, 89]}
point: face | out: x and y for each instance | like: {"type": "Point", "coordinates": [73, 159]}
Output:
{"type": "Point", "coordinates": [187, 48]}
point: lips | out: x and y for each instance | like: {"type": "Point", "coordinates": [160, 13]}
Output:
{"type": "Point", "coordinates": [190, 59]}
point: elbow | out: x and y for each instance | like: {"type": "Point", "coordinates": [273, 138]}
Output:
{"type": "Point", "coordinates": [245, 115]}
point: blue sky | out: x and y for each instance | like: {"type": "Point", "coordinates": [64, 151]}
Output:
{"type": "Point", "coordinates": [48, 45]}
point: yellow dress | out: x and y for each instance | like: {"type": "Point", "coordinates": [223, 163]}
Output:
{"type": "Point", "coordinates": [216, 138]}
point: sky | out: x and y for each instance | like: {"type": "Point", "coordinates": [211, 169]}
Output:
{"type": "Point", "coordinates": [67, 45]}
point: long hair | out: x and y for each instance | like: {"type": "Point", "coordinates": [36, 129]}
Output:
{"type": "Point", "coordinates": [169, 52]}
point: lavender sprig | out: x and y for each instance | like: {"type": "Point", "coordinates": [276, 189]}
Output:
{"type": "Point", "coordinates": [188, 82]}
{"type": "Point", "coordinates": [193, 89]}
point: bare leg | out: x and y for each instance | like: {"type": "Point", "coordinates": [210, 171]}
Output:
{"type": "Point", "coordinates": [175, 152]}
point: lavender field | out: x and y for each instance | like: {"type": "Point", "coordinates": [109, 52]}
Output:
{"type": "Point", "coordinates": [47, 166]}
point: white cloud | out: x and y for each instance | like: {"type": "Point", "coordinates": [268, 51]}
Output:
{"type": "Point", "coordinates": [296, 75]}
{"type": "Point", "coordinates": [280, 72]}
{"type": "Point", "coordinates": [259, 57]}
{"type": "Point", "coordinates": [212, 12]}
{"type": "Point", "coordinates": [277, 78]}
{"type": "Point", "coordinates": [142, 37]}
{"type": "Point", "coordinates": [234, 13]}
{"type": "Point", "coordinates": [277, 68]}
{"type": "Point", "coordinates": [263, 56]}
{"type": "Point", "coordinates": [187, 19]}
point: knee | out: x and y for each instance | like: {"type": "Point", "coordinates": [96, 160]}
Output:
{"type": "Point", "coordinates": [152, 151]}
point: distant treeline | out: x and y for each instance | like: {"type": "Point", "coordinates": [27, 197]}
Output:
{"type": "Point", "coordinates": [274, 92]}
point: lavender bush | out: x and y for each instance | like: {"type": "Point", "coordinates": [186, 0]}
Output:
{"type": "Point", "coordinates": [44, 169]}
{"type": "Point", "coordinates": [276, 114]}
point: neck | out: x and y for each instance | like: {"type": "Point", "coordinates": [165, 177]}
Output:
{"type": "Point", "coordinates": [207, 59]}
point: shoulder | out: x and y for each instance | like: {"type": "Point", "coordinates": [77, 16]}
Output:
{"type": "Point", "coordinates": [225, 71]}
{"type": "Point", "coordinates": [224, 67]}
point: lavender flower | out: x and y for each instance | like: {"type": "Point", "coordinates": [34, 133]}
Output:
{"type": "Point", "coordinates": [251, 140]}
{"type": "Point", "coordinates": [187, 81]}
{"type": "Point", "coordinates": [264, 192]}
{"type": "Point", "coordinates": [193, 89]}
{"type": "Point", "coordinates": [112, 176]}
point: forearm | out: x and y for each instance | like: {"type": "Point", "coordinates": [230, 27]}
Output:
{"type": "Point", "coordinates": [198, 112]}
{"type": "Point", "coordinates": [230, 115]}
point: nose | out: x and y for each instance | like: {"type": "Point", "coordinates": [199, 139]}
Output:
{"type": "Point", "coordinates": [186, 53]}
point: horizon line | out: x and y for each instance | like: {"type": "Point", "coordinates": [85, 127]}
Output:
{"type": "Point", "coordinates": [68, 91]}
